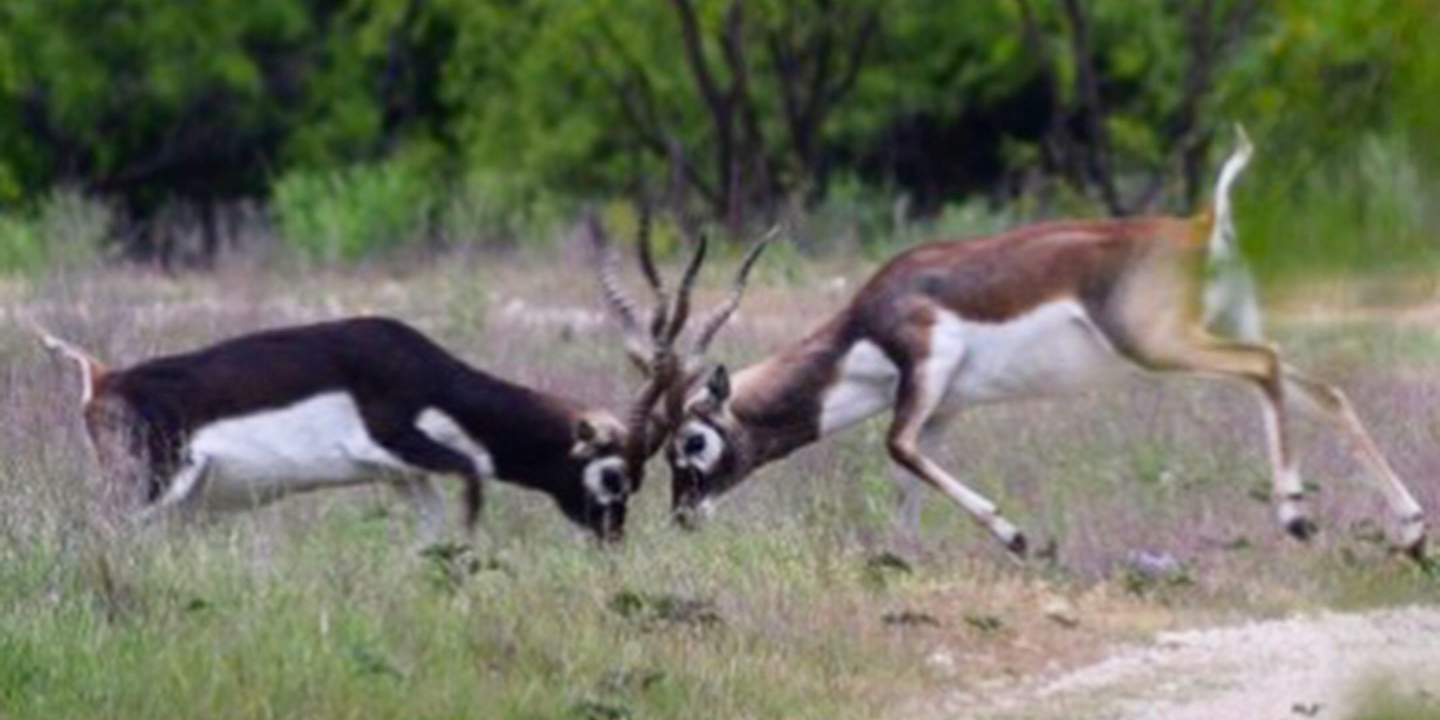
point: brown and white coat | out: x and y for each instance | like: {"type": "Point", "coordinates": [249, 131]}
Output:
{"type": "Point", "coordinates": [1040, 311]}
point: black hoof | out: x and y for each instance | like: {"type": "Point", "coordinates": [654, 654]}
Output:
{"type": "Point", "coordinates": [1416, 551]}
{"type": "Point", "coordinates": [1302, 528]}
{"type": "Point", "coordinates": [686, 520]}
{"type": "Point", "coordinates": [1018, 546]}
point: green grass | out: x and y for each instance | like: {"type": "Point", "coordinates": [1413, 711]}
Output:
{"type": "Point", "coordinates": [347, 622]}
{"type": "Point", "coordinates": [1384, 701]}
{"type": "Point", "coordinates": [321, 606]}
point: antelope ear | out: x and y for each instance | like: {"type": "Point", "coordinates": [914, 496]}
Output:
{"type": "Point", "coordinates": [719, 385]}
{"type": "Point", "coordinates": [586, 437]}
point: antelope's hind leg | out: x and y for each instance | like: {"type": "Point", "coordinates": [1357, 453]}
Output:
{"type": "Point", "coordinates": [1332, 406]}
{"type": "Point", "coordinates": [1259, 366]}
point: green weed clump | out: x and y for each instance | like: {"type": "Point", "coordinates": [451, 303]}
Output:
{"type": "Point", "coordinates": [64, 230]}
{"type": "Point", "coordinates": [356, 213]}
{"type": "Point", "coordinates": [21, 249]}
{"type": "Point", "coordinates": [1385, 701]}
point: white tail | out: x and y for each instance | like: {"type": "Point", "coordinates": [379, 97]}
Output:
{"type": "Point", "coordinates": [1222, 236]}
{"type": "Point", "coordinates": [1232, 307]}
{"type": "Point", "coordinates": [91, 369]}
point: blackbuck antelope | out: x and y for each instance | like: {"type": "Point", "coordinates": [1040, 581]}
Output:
{"type": "Point", "coordinates": [1036, 312]}
{"type": "Point", "coordinates": [259, 417]}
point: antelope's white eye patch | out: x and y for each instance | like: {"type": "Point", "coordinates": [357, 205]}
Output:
{"type": "Point", "coordinates": [605, 480]}
{"type": "Point", "coordinates": [698, 447]}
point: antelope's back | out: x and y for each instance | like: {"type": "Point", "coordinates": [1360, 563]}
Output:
{"type": "Point", "coordinates": [998, 277]}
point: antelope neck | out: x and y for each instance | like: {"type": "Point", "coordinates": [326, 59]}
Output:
{"type": "Point", "coordinates": [528, 432]}
{"type": "Point", "coordinates": [780, 403]}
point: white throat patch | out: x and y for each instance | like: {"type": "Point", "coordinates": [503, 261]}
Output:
{"type": "Point", "coordinates": [594, 478]}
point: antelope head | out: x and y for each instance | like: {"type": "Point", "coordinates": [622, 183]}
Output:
{"type": "Point", "coordinates": [650, 343]}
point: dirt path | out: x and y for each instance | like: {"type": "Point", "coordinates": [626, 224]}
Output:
{"type": "Point", "coordinates": [1312, 666]}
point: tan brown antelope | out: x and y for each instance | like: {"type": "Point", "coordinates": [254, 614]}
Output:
{"type": "Point", "coordinates": [1039, 311]}
{"type": "Point", "coordinates": [274, 413]}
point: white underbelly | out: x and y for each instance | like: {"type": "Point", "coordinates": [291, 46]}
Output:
{"type": "Point", "coordinates": [318, 442]}
{"type": "Point", "coordinates": [1054, 350]}
{"type": "Point", "coordinates": [235, 484]}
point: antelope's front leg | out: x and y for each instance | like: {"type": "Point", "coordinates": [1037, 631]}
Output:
{"type": "Point", "coordinates": [920, 393]}
{"type": "Point", "coordinates": [910, 490]}
{"type": "Point", "coordinates": [183, 492]}
{"type": "Point", "coordinates": [428, 504]}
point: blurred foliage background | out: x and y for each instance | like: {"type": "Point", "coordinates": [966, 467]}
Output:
{"type": "Point", "coordinates": [170, 132]}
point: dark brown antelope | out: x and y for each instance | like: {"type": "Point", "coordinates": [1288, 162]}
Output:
{"type": "Point", "coordinates": [1040, 311]}
{"type": "Point", "coordinates": [363, 400]}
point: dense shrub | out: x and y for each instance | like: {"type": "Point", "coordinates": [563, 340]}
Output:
{"type": "Point", "coordinates": [354, 213]}
{"type": "Point", "coordinates": [63, 229]}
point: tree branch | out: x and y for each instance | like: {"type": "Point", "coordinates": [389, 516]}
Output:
{"type": "Point", "coordinates": [1198, 18]}
{"type": "Point", "coordinates": [1057, 151]}
{"type": "Point", "coordinates": [722, 114]}
{"type": "Point", "coordinates": [695, 57]}
{"type": "Point", "coordinates": [752, 151]}
{"type": "Point", "coordinates": [855, 59]}
{"type": "Point", "coordinates": [1089, 86]}
{"type": "Point", "coordinates": [637, 106]}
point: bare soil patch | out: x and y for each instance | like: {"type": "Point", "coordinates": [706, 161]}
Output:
{"type": "Point", "coordinates": [1325, 665]}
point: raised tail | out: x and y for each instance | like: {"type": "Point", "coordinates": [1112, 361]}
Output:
{"type": "Point", "coordinates": [92, 371]}
{"type": "Point", "coordinates": [1222, 233]}
{"type": "Point", "coordinates": [1232, 308]}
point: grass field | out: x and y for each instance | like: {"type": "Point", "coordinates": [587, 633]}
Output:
{"type": "Point", "coordinates": [786, 606]}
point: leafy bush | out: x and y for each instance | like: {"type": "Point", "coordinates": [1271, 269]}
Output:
{"type": "Point", "coordinates": [969, 219]}
{"type": "Point", "coordinates": [74, 227]}
{"type": "Point", "coordinates": [64, 229]}
{"type": "Point", "coordinates": [359, 212]}
{"type": "Point", "coordinates": [854, 215]}
{"type": "Point", "coordinates": [1367, 208]}
{"type": "Point", "coordinates": [20, 247]}
{"type": "Point", "coordinates": [488, 208]}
